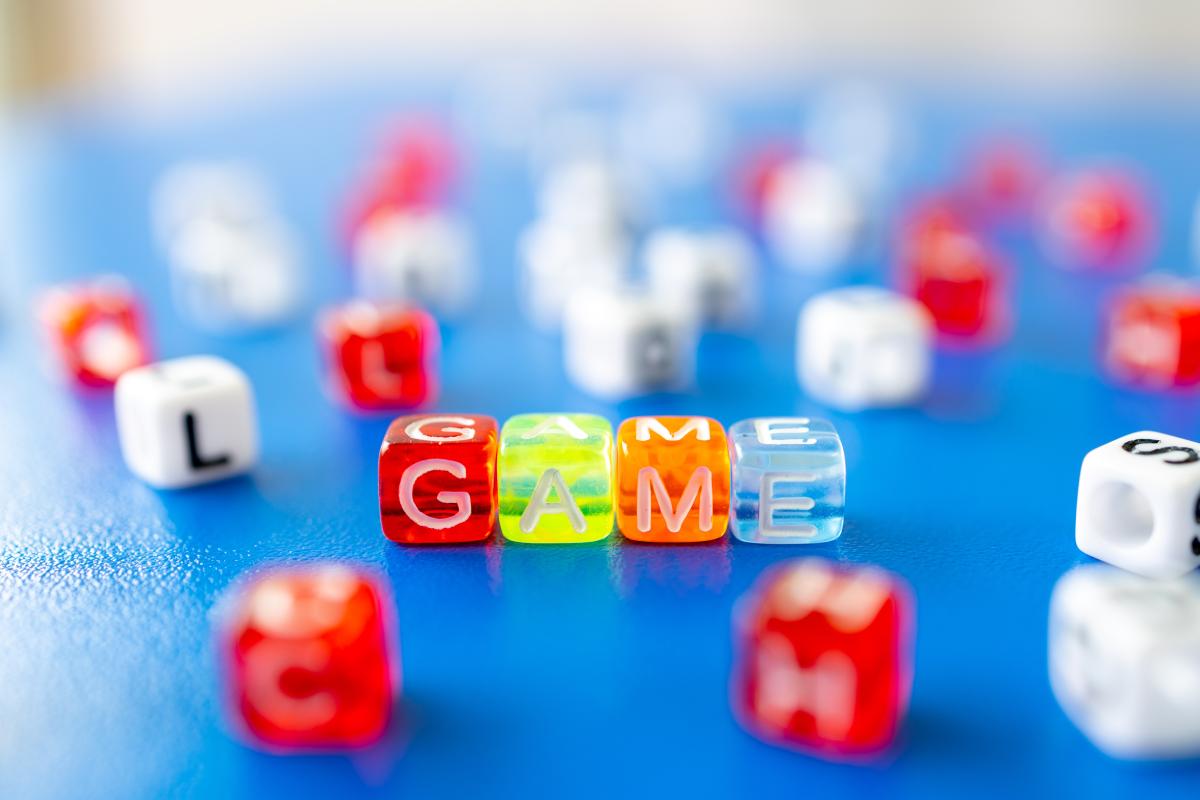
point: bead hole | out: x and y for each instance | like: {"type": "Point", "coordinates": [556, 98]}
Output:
{"type": "Point", "coordinates": [1122, 513]}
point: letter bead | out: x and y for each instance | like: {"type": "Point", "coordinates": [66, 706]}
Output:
{"type": "Point", "coordinates": [1124, 657]}
{"type": "Point", "coordinates": [95, 330]}
{"type": "Point", "coordinates": [824, 658]}
{"type": "Point", "coordinates": [186, 421]}
{"type": "Point", "coordinates": [308, 659]}
{"type": "Point", "coordinates": [789, 480]}
{"type": "Point", "coordinates": [1139, 504]}
{"type": "Point", "coordinates": [863, 347]}
{"type": "Point", "coordinates": [672, 479]}
{"type": "Point", "coordinates": [555, 480]}
{"type": "Point", "coordinates": [380, 356]}
{"type": "Point", "coordinates": [437, 479]}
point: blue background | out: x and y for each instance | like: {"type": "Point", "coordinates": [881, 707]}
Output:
{"type": "Point", "coordinates": [595, 670]}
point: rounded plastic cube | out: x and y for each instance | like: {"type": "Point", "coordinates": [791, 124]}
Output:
{"type": "Point", "coordinates": [555, 473]}
{"type": "Point", "coordinates": [624, 343]}
{"type": "Point", "coordinates": [437, 479]}
{"type": "Point", "coordinates": [863, 347]}
{"type": "Point", "coordinates": [1152, 335]}
{"type": "Point", "coordinates": [186, 421]}
{"type": "Point", "coordinates": [1137, 504]}
{"type": "Point", "coordinates": [710, 274]}
{"type": "Point", "coordinates": [1097, 219]}
{"type": "Point", "coordinates": [789, 480]}
{"type": "Point", "coordinates": [309, 659]}
{"type": "Point", "coordinates": [380, 356]}
{"type": "Point", "coordinates": [814, 217]}
{"type": "Point", "coordinates": [95, 330]}
{"type": "Point", "coordinates": [418, 257]}
{"type": "Point", "coordinates": [672, 479]}
{"type": "Point", "coordinates": [1124, 656]}
{"type": "Point", "coordinates": [824, 658]}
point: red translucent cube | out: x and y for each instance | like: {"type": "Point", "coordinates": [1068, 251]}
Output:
{"type": "Point", "coordinates": [95, 330]}
{"type": "Point", "coordinates": [955, 274]}
{"type": "Point", "coordinates": [414, 167]}
{"type": "Point", "coordinates": [1152, 335]}
{"type": "Point", "coordinates": [824, 658]}
{"type": "Point", "coordinates": [437, 479]}
{"type": "Point", "coordinates": [380, 356]}
{"type": "Point", "coordinates": [1001, 180]}
{"type": "Point", "coordinates": [309, 660]}
{"type": "Point", "coordinates": [1096, 220]}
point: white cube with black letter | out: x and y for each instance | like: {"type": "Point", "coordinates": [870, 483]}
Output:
{"type": "Point", "coordinates": [1139, 504]}
{"type": "Point", "coordinates": [186, 421]}
{"type": "Point", "coordinates": [622, 343]}
{"type": "Point", "coordinates": [1125, 660]}
{"type": "Point", "coordinates": [863, 347]}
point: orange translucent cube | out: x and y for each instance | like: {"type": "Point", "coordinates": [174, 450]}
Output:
{"type": "Point", "coordinates": [672, 479]}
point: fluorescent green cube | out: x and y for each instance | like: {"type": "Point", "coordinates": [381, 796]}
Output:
{"type": "Point", "coordinates": [556, 478]}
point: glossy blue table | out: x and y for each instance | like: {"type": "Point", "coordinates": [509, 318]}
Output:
{"type": "Point", "coordinates": [595, 670]}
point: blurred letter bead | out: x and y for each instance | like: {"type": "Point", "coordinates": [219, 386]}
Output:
{"type": "Point", "coordinates": [789, 480]}
{"type": "Point", "coordinates": [186, 421]}
{"type": "Point", "coordinates": [415, 257]}
{"type": "Point", "coordinates": [1138, 505]}
{"type": "Point", "coordinates": [955, 275]}
{"type": "Point", "coordinates": [624, 343]}
{"type": "Point", "coordinates": [437, 479]}
{"type": "Point", "coordinates": [231, 278]}
{"type": "Point", "coordinates": [824, 658]}
{"type": "Point", "coordinates": [556, 478]}
{"type": "Point", "coordinates": [380, 356]}
{"type": "Point", "coordinates": [863, 346]}
{"type": "Point", "coordinates": [95, 330]}
{"type": "Point", "coordinates": [1153, 336]}
{"type": "Point", "coordinates": [307, 659]}
{"type": "Point", "coordinates": [672, 479]}
{"type": "Point", "coordinates": [1097, 220]}
{"type": "Point", "coordinates": [1125, 660]}
{"type": "Point", "coordinates": [711, 274]}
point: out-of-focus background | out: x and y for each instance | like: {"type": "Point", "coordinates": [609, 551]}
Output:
{"type": "Point", "coordinates": [162, 54]}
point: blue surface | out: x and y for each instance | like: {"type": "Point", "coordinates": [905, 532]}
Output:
{"type": "Point", "coordinates": [537, 671]}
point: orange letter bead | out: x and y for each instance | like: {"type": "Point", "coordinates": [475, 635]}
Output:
{"type": "Point", "coordinates": [672, 479]}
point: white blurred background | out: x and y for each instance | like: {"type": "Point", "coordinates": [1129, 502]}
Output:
{"type": "Point", "coordinates": [165, 52]}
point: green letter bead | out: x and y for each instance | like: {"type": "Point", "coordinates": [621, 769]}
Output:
{"type": "Point", "coordinates": [556, 478]}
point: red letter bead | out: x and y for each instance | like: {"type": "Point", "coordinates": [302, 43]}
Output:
{"type": "Point", "coordinates": [1001, 180]}
{"type": "Point", "coordinates": [954, 274]}
{"type": "Point", "coordinates": [308, 659]}
{"type": "Point", "coordinates": [380, 356]}
{"type": "Point", "coordinates": [1096, 220]}
{"type": "Point", "coordinates": [437, 479]}
{"type": "Point", "coordinates": [413, 168]}
{"type": "Point", "coordinates": [95, 330]}
{"type": "Point", "coordinates": [1153, 335]}
{"type": "Point", "coordinates": [824, 658]}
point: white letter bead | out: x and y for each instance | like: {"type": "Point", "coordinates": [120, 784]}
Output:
{"type": "Point", "coordinates": [711, 274]}
{"type": "Point", "coordinates": [813, 219]}
{"type": "Point", "coordinates": [186, 421]}
{"type": "Point", "coordinates": [1139, 504]}
{"type": "Point", "coordinates": [1124, 657]}
{"type": "Point", "coordinates": [556, 259]}
{"type": "Point", "coordinates": [226, 192]}
{"type": "Point", "coordinates": [864, 346]}
{"type": "Point", "coordinates": [233, 277]}
{"type": "Point", "coordinates": [621, 344]}
{"type": "Point", "coordinates": [417, 257]}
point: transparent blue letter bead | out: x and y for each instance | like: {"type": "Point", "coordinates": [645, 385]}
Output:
{"type": "Point", "coordinates": [789, 480]}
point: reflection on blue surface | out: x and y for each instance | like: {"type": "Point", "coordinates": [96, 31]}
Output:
{"type": "Point", "coordinates": [596, 670]}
